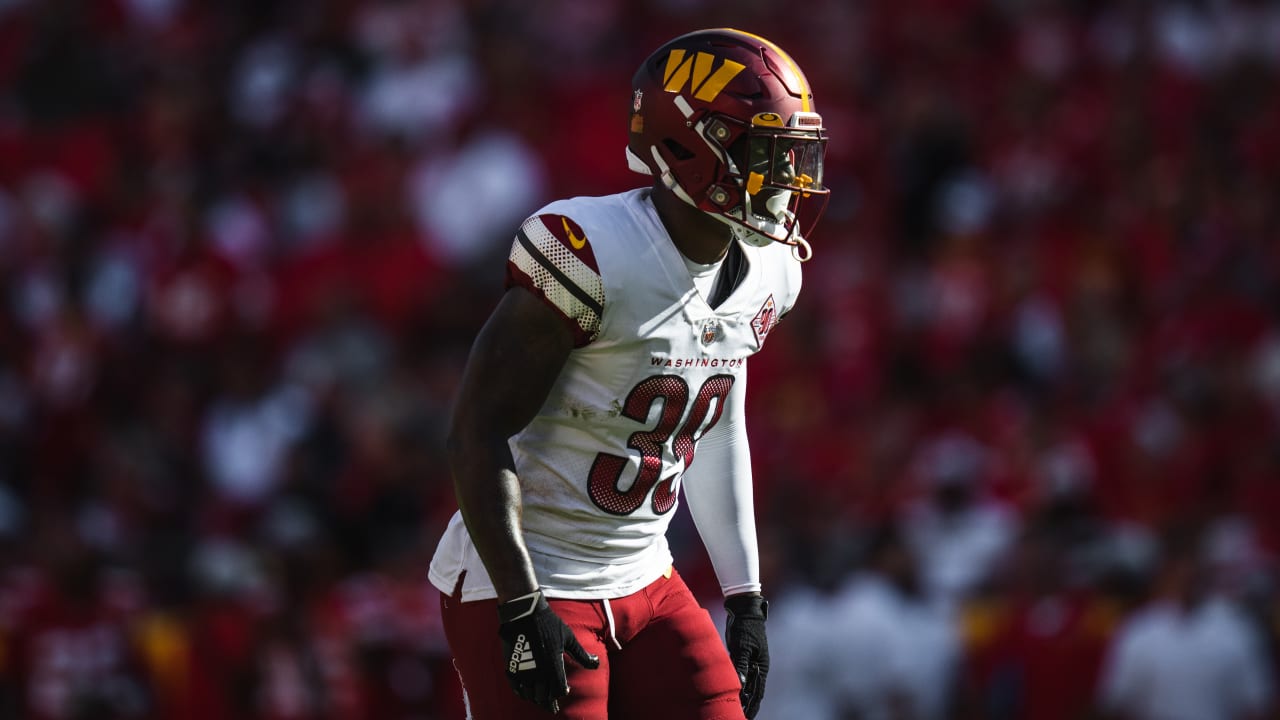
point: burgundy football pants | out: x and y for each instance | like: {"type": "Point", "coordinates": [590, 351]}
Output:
{"type": "Point", "coordinates": [671, 664]}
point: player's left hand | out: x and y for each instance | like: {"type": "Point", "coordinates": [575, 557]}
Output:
{"type": "Point", "coordinates": [748, 647]}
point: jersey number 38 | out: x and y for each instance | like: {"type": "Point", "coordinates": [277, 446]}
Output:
{"type": "Point", "coordinates": [673, 391]}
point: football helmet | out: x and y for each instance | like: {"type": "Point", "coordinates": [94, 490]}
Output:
{"type": "Point", "coordinates": [725, 119]}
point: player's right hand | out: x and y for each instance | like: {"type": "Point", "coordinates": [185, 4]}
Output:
{"type": "Point", "coordinates": [534, 643]}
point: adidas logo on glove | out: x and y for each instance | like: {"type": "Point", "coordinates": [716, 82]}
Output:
{"type": "Point", "coordinates": [521, 656]}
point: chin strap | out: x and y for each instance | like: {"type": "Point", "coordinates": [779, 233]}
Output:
{"type": "Point", "coordinates": [669, 180]}
{"type": "Point", "coordinates": [635, 164]}
{"type": "Point", "coordinates": [800, 248]}
{"type": "Point", "coordinates": [801, 255]}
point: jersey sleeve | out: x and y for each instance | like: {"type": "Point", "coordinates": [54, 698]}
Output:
{"type": "Point", "coordinates": [719, 492]}
{"type": "Point", "coordinates": [552, 258]}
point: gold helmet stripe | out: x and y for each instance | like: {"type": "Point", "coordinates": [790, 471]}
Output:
{"type": "Point", "coordinates": [805, 92]}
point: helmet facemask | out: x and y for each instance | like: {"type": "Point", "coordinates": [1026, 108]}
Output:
{"type": "Point", "coordinates": [770, 170]}
{"type": "Point", "coordinates": [767, 169]}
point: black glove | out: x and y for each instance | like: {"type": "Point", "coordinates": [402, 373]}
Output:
{"type": "Point", "coordinates": [748, 647]}
{"type": "Point", "coordinates": [534, 642]}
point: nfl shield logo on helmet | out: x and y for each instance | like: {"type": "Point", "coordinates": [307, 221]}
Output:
{"type": "Point", "coordinates": [765, 320]}
{"type": "Point", "coordinates": [710, 331]}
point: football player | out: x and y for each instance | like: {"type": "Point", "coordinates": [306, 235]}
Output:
{"type": "Point", "coordinates": [610, 377]}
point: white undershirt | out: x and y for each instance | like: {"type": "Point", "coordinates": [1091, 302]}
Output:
{"type": "Point", "coordinates": [704, 276]}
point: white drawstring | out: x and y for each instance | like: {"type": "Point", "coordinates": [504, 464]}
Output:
{"type": "Point", "coordinates": [613, 632]}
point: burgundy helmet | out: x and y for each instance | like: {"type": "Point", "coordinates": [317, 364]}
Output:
{"type": "Point", "coordinates": [726, 120]}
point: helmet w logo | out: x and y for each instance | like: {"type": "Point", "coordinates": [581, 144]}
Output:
{"type": "Point", "coordinates": [706, 84]}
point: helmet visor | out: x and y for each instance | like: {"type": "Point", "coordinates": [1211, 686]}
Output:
{"type": "Point", "coordinates": [785, 161]}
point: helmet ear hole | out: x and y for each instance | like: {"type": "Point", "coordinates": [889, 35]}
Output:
{"type": "Point", "coordinates": [679, 151]}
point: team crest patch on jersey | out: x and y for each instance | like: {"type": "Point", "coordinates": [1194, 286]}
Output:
{"type": "Point", "coordinates": [711, 331]}
{"type": "Point", "coordinates": [765, 320]}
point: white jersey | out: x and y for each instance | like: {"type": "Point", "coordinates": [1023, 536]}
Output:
{"type": "Point", "coordinates": [649, 401]}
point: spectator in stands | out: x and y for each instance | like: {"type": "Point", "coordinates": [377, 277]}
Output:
{"type": "Point", "coordinates": [1189, 654]}
{"type": "Point", "coordinates": [957, 530]}
{"type": "Point", "coordinates": [877, 649]}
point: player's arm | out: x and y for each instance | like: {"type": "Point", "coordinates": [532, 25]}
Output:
{"type": "Point", "coordinates": [514, 362]}
{"type": "Point", "coordinates": [718, 489]}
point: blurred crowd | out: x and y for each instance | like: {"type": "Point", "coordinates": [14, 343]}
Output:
{"type": "Point", "coordinates": [1017, 451]}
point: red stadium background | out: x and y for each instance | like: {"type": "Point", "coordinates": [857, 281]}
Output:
{"type": "Point", "coordinates": [245, 245]}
